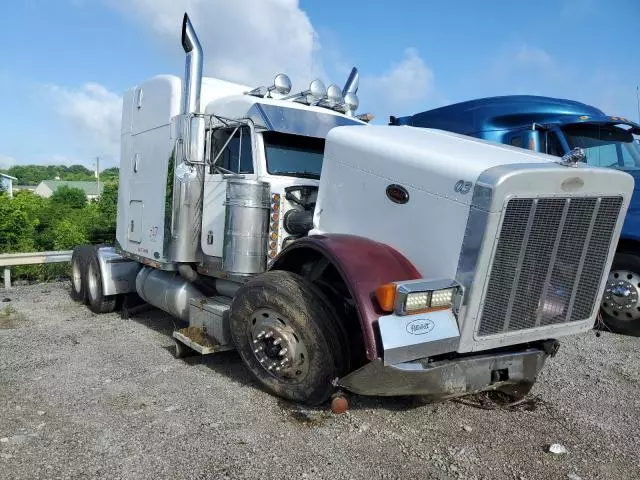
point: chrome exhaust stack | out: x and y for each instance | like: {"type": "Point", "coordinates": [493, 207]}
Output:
{"type": "Point", "coordinates": [193, 68]}
{"type": "Point", "coordinates": [188, 156]}
{"type": "Point", "coordinates": [351, 86]}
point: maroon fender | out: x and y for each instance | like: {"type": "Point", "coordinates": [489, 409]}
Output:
{"type": "Point", "coordinates": [364, 265]}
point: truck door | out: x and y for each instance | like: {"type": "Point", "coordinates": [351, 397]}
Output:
{"type": "Point", "coordinates": [231, 154]}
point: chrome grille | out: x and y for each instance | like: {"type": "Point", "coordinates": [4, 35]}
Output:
{"type": "Point", "coordinates": [548, 262]}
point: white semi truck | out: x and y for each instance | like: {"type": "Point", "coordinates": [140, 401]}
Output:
{"type": "Point", "coordinates": [335, 254]}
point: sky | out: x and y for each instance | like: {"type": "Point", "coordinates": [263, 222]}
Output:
{"type": "Point", "coordinates": [65, 63]}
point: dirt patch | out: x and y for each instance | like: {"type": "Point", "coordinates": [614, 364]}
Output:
{"type": "Point", "coordinates": [8, 317]}
{"type": "Point", "coordinates": [197, 335]}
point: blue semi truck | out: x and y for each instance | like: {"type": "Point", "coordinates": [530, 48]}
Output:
{"type": "Point", "coordinates": [556, 127]}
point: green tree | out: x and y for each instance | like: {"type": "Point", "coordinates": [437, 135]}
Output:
{"type": "Point", "coordinates": [103, 228]}
{"type": "Point", "coordinates": [16, 227]}
{"type": "Point", "coordinates": [69, 197]}
{"type": "Point", "coordinates": [67, 235]}
{"type": "Point", "coordinates": [110, 174]}
{"type": "Point", "coordinates": [34, 174]}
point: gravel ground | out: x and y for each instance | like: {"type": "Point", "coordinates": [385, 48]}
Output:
{"type": "Point", "coordinates": [87, 396]}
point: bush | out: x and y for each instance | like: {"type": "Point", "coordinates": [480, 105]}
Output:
{"type": "Point", "coordinates": [29, 223]}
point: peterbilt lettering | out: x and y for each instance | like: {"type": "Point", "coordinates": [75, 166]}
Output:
{"type": "Point", "coordinates": [420, 326]}
{"type": "Point", "coordinates": [331, 253]}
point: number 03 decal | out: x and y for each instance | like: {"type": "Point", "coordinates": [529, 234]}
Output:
{"type": "Point", "coordinates": [462, 187]}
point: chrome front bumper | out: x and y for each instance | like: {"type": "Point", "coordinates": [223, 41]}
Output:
{"type": "Point", "coordinates": [448, 378]}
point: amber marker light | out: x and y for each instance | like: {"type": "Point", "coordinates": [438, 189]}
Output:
{"type": "Point", "coordinates": [386, 295]}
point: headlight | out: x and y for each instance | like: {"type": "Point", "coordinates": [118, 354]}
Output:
{"type": "Point", "coordinates": [442, 298]}
{"type": "Point", "coordinates": [416, 296]}
{"type": "Point", "coordinates": [417, 301]}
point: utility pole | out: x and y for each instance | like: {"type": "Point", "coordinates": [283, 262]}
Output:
{"type": "Point", "coordinates": [98, 174]}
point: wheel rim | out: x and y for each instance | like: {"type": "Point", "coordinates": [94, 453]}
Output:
{"type": "Point", "coordinates": [276, 345]}
{"type": "Point", "coordinates": [621, 295]}
{"type": "Point", "coordinates": [92, 282]}
{"type": "Point", "coordinates": [76, 276]}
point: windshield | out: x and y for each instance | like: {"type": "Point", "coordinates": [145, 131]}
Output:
{"type": "Point", "coordinates": [605, 146]}
{"type": "Point", "coordinates": [293, 155]}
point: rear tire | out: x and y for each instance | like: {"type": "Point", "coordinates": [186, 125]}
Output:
{"type": "Point", "coordinates": [288, 336]}
{"type": "Point", "coordinates": [79, 262]}
{"type": "Point", "coordinates": [98, 302]}
{"type": "Point", "coordinates": [620, 306]}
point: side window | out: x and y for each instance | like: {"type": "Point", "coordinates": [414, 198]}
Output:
{"type": "Point", "coordinates": [553, 144]}
{"type": "Point", "coordinates": [602, 155]}
{"type": "Point", "coordinates": [237, 155]}
{"type": "Point", "coordinates": [627, 158]}
{"type": "Point", "coordinates": [516, 141]}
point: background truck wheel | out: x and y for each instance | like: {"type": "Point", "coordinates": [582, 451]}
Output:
{"type": "Point", "coordinates": [288, 336]}
{"type": "Point", "coordinates": [621, 301]}
{"type": "Point", "coordinates": [79, 261]}
{"type": "Point", "coordinates": [97, 301]}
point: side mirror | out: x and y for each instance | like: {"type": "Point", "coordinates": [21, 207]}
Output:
{"type": "Point", "coordinates": [194, 139]}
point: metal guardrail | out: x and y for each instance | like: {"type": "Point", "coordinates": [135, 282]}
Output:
{"type": "Point", "coordinates": [8, 260]}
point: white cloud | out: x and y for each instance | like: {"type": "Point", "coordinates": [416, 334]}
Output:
{"type": "Point", "coordinates": [246, 41]}
{"type": "Point", "coordinates": [7, 161]}
{"type": "Point", "coordinates": [532, 56]}
{"type": "Point", "coordinates": [58, 159]}
{"type": "Point", "coordinates": [406, 85]}
{"type": "Point", "coordinates": [94, 113]}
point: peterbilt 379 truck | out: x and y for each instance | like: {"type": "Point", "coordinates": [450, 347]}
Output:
{"type": "Point", "coordinates": [331, 253]}
{"type": "Point", "coordinates": [556, 126]}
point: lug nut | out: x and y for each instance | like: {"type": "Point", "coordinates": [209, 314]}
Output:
{"type": "Point", "coordinates": [269, 334]}
{"type": "Point", "coordinates": [283, 351]}
{"type": "Point", "coordinates": [261, 334]}
{"type": "Point", "coordinates": [277, 341]}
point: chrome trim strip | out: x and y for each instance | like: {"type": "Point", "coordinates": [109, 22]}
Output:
{"type": "Point", "coordinates": [552, 259]}
{"type": "Point", "coordinates": [583, 257]}
{"type": "Point", "coordinates": [521, 255]}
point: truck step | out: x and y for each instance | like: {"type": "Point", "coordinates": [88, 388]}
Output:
{"type": "Point", "coordinates": [196, 339]}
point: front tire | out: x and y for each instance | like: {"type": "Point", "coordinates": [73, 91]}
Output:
{"type": "Point", "coordinates": [621, 300]}
{"type": "Point", "coordinates": [288, 336]}
{"type": "Point", "coordinates": [98, 302]}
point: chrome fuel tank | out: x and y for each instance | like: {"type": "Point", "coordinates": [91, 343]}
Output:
{"type": "Point", "coordinates": [246, 227]}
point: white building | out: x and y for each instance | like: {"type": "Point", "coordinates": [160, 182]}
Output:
{"type": "Point", "coordinates": [47, 187]}
{"type": "Point", "coordinates": [6, 181]}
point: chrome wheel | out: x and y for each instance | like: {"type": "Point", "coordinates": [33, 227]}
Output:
{"type": "Point", "coordinates": [76, 276]}
{"type": "Point", "coordinates": [92, 282]}
{"type": "Point", "coordinates": [276, 345]}
{"type": "Point", "coordinates": [621, 295]}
